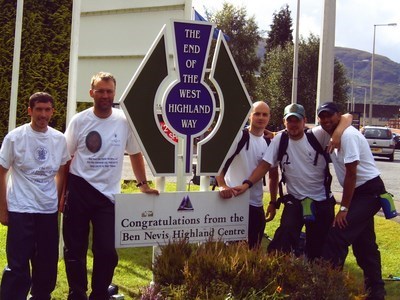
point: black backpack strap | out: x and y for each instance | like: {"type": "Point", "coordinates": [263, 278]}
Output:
{"type": "Point", "coordinates": [319, 151]}
{"type": "Point", "coordinates": [243, 141]}
{"type": "Point", "coordinates": [315, 144]}
{"type": "Point", "coordinates": [268, 141]}
{"type": "Point", "coordinates": [283, 144]}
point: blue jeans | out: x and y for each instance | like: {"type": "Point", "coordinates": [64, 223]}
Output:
{"type": "Point", "coordinates": [31, 238]}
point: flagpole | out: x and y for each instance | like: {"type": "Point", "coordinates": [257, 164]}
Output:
{"type": "Point", "coordinates": [16, 63]}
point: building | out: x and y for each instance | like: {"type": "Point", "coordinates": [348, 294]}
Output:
{"type": "Point", "coordinates": [382, 115]}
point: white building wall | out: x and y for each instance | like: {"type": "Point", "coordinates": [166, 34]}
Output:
{"type": "Point", "coordinates": [114, 36]}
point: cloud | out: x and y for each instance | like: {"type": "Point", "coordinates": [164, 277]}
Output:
{"type": "Point", "coordinates": [355, 20]}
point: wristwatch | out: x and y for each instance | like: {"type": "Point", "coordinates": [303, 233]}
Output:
{"type": "Point", "coordinates": [344, 208]}
{"type": "Point", "coordinates": [142, 183]}
{"type": "Point", "coordinates": [248, 182]}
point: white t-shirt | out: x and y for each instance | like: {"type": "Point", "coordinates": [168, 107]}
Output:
{"type": "Point", "coordinates": [243, 165]}
{"type": "Point", "coordinates": [34, 158]}
{"type": "Point", "coordinates": [354, 147]}
{"type": "Point", "coordinates": [303, 179]}
{"type": "Point", "coordinates": [98, 146]}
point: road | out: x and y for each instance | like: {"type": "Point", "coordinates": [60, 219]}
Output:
{"type": "Point", "coordinates": [389, 172]}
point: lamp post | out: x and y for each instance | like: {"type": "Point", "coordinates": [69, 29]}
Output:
{"type": "Point", "coordinates": [365, 104]}
{"type": "Point", "coordinates": [351, 104]}
{"type": "Point", "coordinates": [296, 57]}
{"type": "Point", "coordinates": [371, 86]}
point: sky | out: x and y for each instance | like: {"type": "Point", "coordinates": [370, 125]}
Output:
{"type": "Point", "coordinates": [355, 20]}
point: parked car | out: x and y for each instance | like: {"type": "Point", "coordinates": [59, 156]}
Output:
{"type": "Point", "coordinates": [396, 139]}
{"type": "Point", "coordinates": [380, 141]}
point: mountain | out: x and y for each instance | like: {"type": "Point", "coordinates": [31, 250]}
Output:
{"type": "Point", "coordinates": [386, 75]}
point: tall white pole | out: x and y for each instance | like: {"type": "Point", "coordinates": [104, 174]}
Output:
{"type": "Point", "coordinates": [326, 55]}
{"type": "Point", "coordinates": [352, 90]}
{"type": "Point", "coordinates": [371, 85]}
{"type": "Point", "coordinates": [15, 69]}
{"type": "Point", "coordinates": [73, 60]}
{"type": "Point", "coordinates": [296, 56]}
{"type": "Point", "coordinates": [352, 100]}
{"type": "Point", "coordinates": [365, 105]}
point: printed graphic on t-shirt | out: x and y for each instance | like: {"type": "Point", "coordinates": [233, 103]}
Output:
{"type": "Point", "coordinates": [116, 141]}
{"type": "Point", "coordinates": [93, 141]}
{"type": "Point", "coordinates": [41, 154]}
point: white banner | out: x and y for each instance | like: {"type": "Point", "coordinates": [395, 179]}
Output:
{"type": "Point", "coordinates": [149, 220]}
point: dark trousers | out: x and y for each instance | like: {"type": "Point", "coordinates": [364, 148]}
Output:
{"type": "Point", "coordinates": [256, 226]}
{"type": "Point", "coordinates": [360, 233]}
{"type": "Point", "coordinates": [85, 205]}
{"type": "Point", "coordinates": [287, 237]}
{"type": "Point", "coordinates": [31, 238]}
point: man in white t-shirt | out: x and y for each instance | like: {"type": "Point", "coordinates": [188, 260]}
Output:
{"type": "Point", "coordinates": [241, 167]}
{"type": "Point", "coordinates": [354, 223]}
{"type": "Point", "coordinates": [304, 178]}
{"type": "Point", "coordinates": [97, 139]}
{"type": "Point", "coordinates": [36, 155]}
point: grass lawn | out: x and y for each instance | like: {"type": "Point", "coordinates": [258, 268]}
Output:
{"type": "Point", "coordinates": [134, 268]}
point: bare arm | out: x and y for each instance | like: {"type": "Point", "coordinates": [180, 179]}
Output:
{"type": "Point", "coordinates": [258, 173]}
{"type": "Point", "coordinates": [345, 121]}
{"type": "Point", "coordinates": [273, 183]}
{"type": "Point", "coordinates": [137, 163]}
{"type": "Point", "coordinates": [225, 191]}
{"type": "Point", "coordinates": [220, 179]}
{"type": "Point", "coordinates": [61, 183]}
{"type": "Point", "coordinates": [3, 196]}
{"type": "Point", "coordinates": [273, 190]}
{"type": "Point", "coordinates": [349, 186]}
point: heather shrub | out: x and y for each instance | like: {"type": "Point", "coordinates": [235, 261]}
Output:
{"type": "Point", "coordinates": [215, 270]}
{"type": "Point", "coordinates": [168, 267]}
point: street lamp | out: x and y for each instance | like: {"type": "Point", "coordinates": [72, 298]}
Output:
{"type": "Point", "coordinates": [371, 86]}
{"type": "Point", "coordinates": [365, 103]}
{"type": "Point", "coordinates": [296, 57]}
{"type": "Point", "coordinates": [351, 108]}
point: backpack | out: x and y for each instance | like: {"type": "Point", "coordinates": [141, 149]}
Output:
{"type": "Point", "coordinates": [283, 144]}
{"type": "Point", "coordinates": [245, 140]}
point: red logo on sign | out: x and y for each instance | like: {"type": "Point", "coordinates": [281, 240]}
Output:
{"type": "Point", "coordinates": [169, 133]}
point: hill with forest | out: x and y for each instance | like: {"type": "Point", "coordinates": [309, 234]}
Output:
{"type": "Point", "coordinates": [386, 75]}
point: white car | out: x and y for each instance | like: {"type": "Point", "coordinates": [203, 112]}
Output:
{"type": "Point", "coordinates": [380, 141]}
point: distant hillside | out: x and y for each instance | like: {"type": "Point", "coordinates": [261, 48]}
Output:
{"type": "Point", "coordinates": [386, 74]}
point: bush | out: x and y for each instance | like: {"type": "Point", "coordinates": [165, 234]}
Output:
{"type": "Point", "coordinates": [168, 267]}
{"type": "Point", "coordinates": [215, 270]}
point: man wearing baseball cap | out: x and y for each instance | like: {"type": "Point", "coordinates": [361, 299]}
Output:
{"type": "Point", "coordinates": [304, 177]}
{"type": "Point", "coordinates": [354, 223]}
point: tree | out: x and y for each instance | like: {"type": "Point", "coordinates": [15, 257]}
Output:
{"type": "Point", "coordinates": [44, 57]}
{"type": "Point", "coordinates": [275, 83]}
{"type": "Point", "coordinates": [244, 37]}
{"type": "Point", "coordinates": [281, 33]}
{"type": "Point", "coordinates": [7, 20]}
